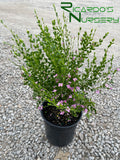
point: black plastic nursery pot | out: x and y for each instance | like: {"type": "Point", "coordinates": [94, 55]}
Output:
{"type": "Point", "coordinates": [59, 135]}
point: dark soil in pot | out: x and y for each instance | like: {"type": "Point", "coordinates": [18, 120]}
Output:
{"type": "Point", "coordinates": [59, 130]}
{"type": "Point", "coordinates": [51, 114]}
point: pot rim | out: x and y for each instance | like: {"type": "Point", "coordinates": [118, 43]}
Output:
{"type": "Point", "coordinates": [54, 125]}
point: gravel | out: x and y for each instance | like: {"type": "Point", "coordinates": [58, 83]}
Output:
{"type": "Point", "coordinates": [22, 132]}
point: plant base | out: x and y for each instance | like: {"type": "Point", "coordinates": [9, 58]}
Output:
{"type": "Point", "coordinates": [59, 135]}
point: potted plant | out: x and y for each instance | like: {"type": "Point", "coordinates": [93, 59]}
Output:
{"type": "Point", "coordinates": [61, 76]}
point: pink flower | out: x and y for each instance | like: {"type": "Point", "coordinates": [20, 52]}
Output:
{"type": "Point", "coordinates": [61, 95]}
{"type": "Point", "coordinates": [118, 69]}
{"type": "Point", "coordinates": [110, 88]}
{"type": "Point", "coordinates": [68, 86]}
{"type": "Point", "coordinates": [54, 90]}
{"type": "Point", "coordinates": [42, 89]}
{"type": "Point", "coordinates": [73, 58]}
{"type": "Point", "coordinates": [78, 88]}
{"type": "Point", "coordinates": [69, 82]}
{"type": "Point", "coordinates": [65, 101]}
{"type": "Point", "coordinates": [57, 80]}
{"type": "Point", "coordinates": [74, 105]}
{"type": "Point", "coordinates": [70, 96]}
{"type": "Point", "coordinates": [37, 97]}
{"type": "Point", "coordinates": [97, 91]}
{"type": "Point", "coordinates": [106, 85]}
{"type": "Point", "coordinates": [69, 76]}
{"type": "Point", "coordinates": [36, 82]}
{"type": "Point", "coordinates": [40, 107]}
{"type": "Point", "coordinates": [58, 103]}
{"type": "Point", "coordinates": [68, 109]}
{"type": "Point", "coordinates": [86, 110]}
{"type": "Point", "coordinates": [62, 112]}
{"type": "Point", "coordinates": [73, 99]}
{"type": "Point", "coordinates": [82, 106]}
{"type": "Point", "coordinates": [56, 97]}
{"type": "Point", "coordinates": [109, 77]}
{"type": "Point", "coordinates": [61, 101]}
{"type": "Point", "coordinates": [76, 68]}
{"type": "Point", "coordinates": [55, 75]}
{"type": "Point", "coordinates": [71, 88]}
{"type": "Point", "coordinates": [29, 75]}
{"type": "Point", "coordinates": [74, 79]}
{"type": "Point", "coordinates": [60, 84]}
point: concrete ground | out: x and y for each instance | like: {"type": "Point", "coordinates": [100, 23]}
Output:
{"type": "Point", "coordinates": [19, 14]}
